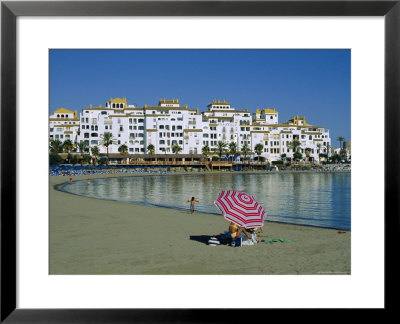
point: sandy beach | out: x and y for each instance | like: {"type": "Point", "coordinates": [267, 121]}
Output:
{"type": "Point", "coordinates": [92, 236]}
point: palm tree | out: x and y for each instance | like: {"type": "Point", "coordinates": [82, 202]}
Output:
{"type": "Point", "coordinates": [258, 148]}
{"type": "Point", "coordinates": [308, 151]}
{"type": "Point", "coordinates": [82, 145]}
{"type": "Point", "coordinates": [86, 159]}
{"type": "Point", "coordinates": [221, 148]}
{"type": "Point", "coordinates": [56, 146]}
{"type": "Point", "coordinates": [245, 150]}
{"type": "Point", "coordinates": [123, 149]}
{"type": "Point", "coordinates": [205, 150]}
{"type": "Point", "coordinates": [294, 145]}
{"type": "Point", "coordinates": [67, 145]}
{"type": "Point", "coordinates": [328, 149]}
{"type": "Point", "coordinates": [95, 153]}
{"type": "Point", "coordinates": [232, 149]}
{"type": "Point", "coordinates": [176, 148]}
{"type": "Point", "coordinates": [107, 140]}
{"type": "Point", "coordinates": [341, 139]}
{"type": "Point", "coordinates": [151, 148]}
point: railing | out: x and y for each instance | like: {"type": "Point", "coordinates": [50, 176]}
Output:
{"type": "Point", "coordinates": [221, 162]}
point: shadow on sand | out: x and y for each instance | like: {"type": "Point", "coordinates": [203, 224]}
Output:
{"type": "Point", "coordinates": [200, 238]}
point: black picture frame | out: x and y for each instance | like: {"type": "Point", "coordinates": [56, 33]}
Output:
{"type": "Point", "coordinates": [10, 10]}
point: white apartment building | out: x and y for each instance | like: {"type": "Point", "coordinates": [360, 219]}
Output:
{"type": "Point", "coordinates": [63, 125]}
{"type": "Point", "coordinates": [276, 138]}
{"type": "Point", "coordinates": [169, 124]}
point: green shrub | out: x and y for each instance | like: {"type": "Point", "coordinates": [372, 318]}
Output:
{"type": "Point", "coordinates": [215, 158]}
{"type": "Point", "coordinates": [101, 161]}
{"type": "Point", "coordinates": [279, 162]}
{"type": "Point", "coordinates": [86, 159]}
{"type": "Point", "coordinates": [55, 158]}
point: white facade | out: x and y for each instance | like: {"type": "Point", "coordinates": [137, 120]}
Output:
{"type": "Point", "coordinates": [276, 138]}
{"type": "Point", "coordinates": [169, 124]}
{"type": "Point", "coordinates": [63, 125]}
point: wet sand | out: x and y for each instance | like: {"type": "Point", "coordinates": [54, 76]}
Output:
{"type": "Point", "coordinates": [92, 236]}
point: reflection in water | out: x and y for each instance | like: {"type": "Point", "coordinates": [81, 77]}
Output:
{"type": "Point", "coordinates": [316, 199]}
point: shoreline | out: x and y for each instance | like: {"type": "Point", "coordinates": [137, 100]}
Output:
{"type": "Point", "coordinates": [56, 187]}
{"type": "Point", "coordinates": [94, 236]}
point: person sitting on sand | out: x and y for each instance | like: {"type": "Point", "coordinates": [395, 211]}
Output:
{"type": "Point", "coordinates": [192, 202]}
{"type": "Point", "coordinates": [237, 232]}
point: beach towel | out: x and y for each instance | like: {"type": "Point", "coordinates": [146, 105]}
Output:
{"type": "Point", "coordinates": [273, 240]}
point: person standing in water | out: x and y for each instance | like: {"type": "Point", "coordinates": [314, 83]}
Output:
{"type": "Point", "coordinates": [192, 202]}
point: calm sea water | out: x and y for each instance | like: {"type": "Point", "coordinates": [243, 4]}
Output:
{"type": "Point", "coordinates": [316, 199]}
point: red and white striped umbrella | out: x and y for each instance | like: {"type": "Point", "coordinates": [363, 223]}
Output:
{"type": "Point", "coordinates": [241, 208]}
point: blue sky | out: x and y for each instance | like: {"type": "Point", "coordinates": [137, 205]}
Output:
{"type": "Point", "coordinates": [313, 83]}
